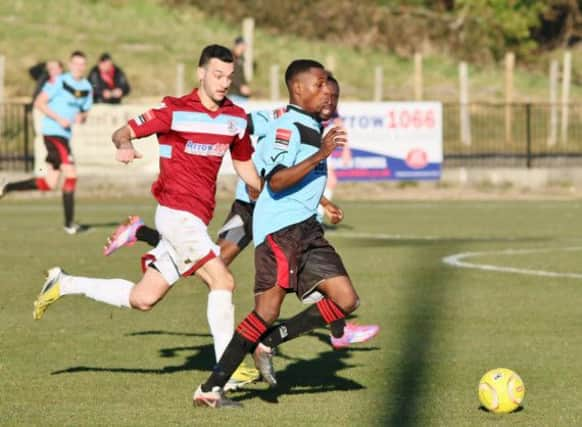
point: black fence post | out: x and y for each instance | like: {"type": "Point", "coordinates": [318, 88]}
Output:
{"type": "Point", "coordinates": [26, 108]}
{"type": "Point", "coordinates": [528, 135]}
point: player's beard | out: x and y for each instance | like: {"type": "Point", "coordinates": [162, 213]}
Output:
{"type": "Point", "coordinates": [218, 101]}
{"type": "Point", "coordinates": [215, 97]}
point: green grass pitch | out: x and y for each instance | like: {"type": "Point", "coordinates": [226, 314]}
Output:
{"type": "Point", "coordinates": [86, 363]}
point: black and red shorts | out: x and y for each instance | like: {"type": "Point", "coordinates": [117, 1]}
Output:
{"type": "Point", "coordinates": [238, 226]}
{"type": "Point", "coordinates": [58, 151]}
{"type": "Point", "coordinates": [297, 258]}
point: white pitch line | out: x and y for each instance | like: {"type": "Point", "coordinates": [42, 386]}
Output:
{"type": "Point", "coordinates": [385, 236]}
{"type": "Point", "coordinates": [379, 236]}
{"type": "Point", "coordinates": [456, 261]}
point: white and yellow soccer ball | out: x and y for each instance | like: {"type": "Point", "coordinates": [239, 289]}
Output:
{"type": "Point", "coordinates": [501, 391]}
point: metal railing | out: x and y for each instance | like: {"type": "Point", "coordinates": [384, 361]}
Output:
{"type": "Point", "coordinates": [495, 135]}
{"type": "Point", "coordinates": [513, 135]}
{"type": "Point", "coordinates": [16, 137]}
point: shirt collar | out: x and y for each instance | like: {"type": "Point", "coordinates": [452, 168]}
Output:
{"type": "Point", "coordinates": [298, 109]}
{"type": "Point", "coordinates": [195, 98]}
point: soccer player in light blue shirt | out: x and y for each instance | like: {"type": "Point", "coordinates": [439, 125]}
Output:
{"type": "Point", "coordinates": [291, 253]}
{"type": "Point", "coordinates": [64, 102]}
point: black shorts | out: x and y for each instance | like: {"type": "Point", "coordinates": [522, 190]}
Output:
{"type": "Point", "coordinates": [238, 226]}
{"type": "Point", "coordinates": [58, 151]}
{"type": "Point", "coordinates": [297, 258]}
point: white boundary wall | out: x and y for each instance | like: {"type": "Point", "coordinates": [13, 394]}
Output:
{"type": "Point", "coordinates": [386, 130]}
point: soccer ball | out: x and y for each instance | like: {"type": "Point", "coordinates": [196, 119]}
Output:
{"type": "Point", "coordinates": [501, 391]}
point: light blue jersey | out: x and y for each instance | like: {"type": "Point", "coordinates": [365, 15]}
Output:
{"type": "Point", "coordinates": [66, 97]}
{"type": "Point", "coordinates": [290, 139]}
{"type": "Point", "coordinates": [259, 122]}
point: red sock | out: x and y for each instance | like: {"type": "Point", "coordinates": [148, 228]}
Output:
{"type": "Point", "coordinates": [329, 310]}
{"type": "Point", "coordinates": [41, 184]}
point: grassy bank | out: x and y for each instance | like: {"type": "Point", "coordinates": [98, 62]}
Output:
{"type": "Point", "coordinates": [148, 39]}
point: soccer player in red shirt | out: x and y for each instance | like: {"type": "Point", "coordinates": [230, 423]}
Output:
{"type": "Point", "coordinates": [194, 132]}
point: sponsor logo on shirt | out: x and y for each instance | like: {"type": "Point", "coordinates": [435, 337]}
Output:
{"type": "Point", "coordinates": [282, 138]}
{"type": "Point", "coordinates": [231, 126]}
{"type": "Point", "coordinates": [198, 149]}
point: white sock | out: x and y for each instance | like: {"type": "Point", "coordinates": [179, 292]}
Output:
{"type": "Point", "coordinates": [220, 314]}
{"type": "Point", "coordinates": [110, 291]}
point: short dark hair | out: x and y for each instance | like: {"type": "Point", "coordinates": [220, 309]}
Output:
{"type": "Point", "coordinates": [300, 66]}
{"type": "Point", "coordinates": [78, 53]}
{"type": "Point", "coordinates": [239, 40]}
{"type": "Point", "coordinates": [215, 51]}
{"type": "Point", "coordinates": [331, 78]}
{"type": "Point", "coordinates": [105, 57]}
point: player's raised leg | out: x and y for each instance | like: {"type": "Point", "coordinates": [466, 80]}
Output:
{"type": "Point", "coordinates": [46, 183]}
{"type": "Point", "coordinates": [117, 292]}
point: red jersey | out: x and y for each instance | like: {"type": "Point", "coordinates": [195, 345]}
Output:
{"type": "Point", "coordinates": [193, 141]}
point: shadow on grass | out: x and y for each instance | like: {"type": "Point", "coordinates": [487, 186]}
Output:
{"type": "Point", "coordinates": [302, 376]}
{"type": "Point", "coordinates": [175, 334]}
{"type": "Point", "coordinates": [201, 358]}
{"type": "Point", "coordinates": [101, 224]}
{"type": "Point", "coordinates": [425, 297]}
{"type": "Point", "coordinates": [308, 376]}
{"type": "Point", "coordinates": [484, 409]}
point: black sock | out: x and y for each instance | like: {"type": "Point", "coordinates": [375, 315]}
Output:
{"type": "Point", "coordinates": [148, 235]}
{"type": "Point", "coordinates": [69, 207]}
{"type": "Point", "coordinates": [235, 352]}
{"type": "Point", "coordinates": [244, 340]}
{"type": "Point", "coordinates": [337, 328]}
{"type": "Point", "coordinates": [27, 184]}
{"type": "Point", "coordinates": [303, 322]}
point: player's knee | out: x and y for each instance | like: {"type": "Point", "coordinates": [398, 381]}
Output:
{"type": "Point", "coordinates": [224, 282]}
{"type": "Point", "coordinates": [141, 305]}
{"type": "Point", "coordinates": [229, 284]}
{"type": "Point", "coordinates": [269, 314]}
{"type": "Point", "coordinates": [142, 302]}
{"type": "Point", "coordinates": [227, 257]}
{"type": "Point", "coordinates": [350, 304]}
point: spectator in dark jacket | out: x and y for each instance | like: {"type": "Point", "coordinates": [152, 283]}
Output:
{"type": "Point", "coordinates": [108, 81]}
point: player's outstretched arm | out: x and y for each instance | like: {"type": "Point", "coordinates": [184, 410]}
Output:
{"type": "Point", "coordinates": [282, 178]}
{"type": "Point", "coordinates": [248, 173]}
{"type": "Point", "coordinates": [121, 138]}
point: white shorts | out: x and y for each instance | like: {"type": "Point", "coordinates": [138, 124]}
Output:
{"type": "Point", "coordinates": [184, 247]}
